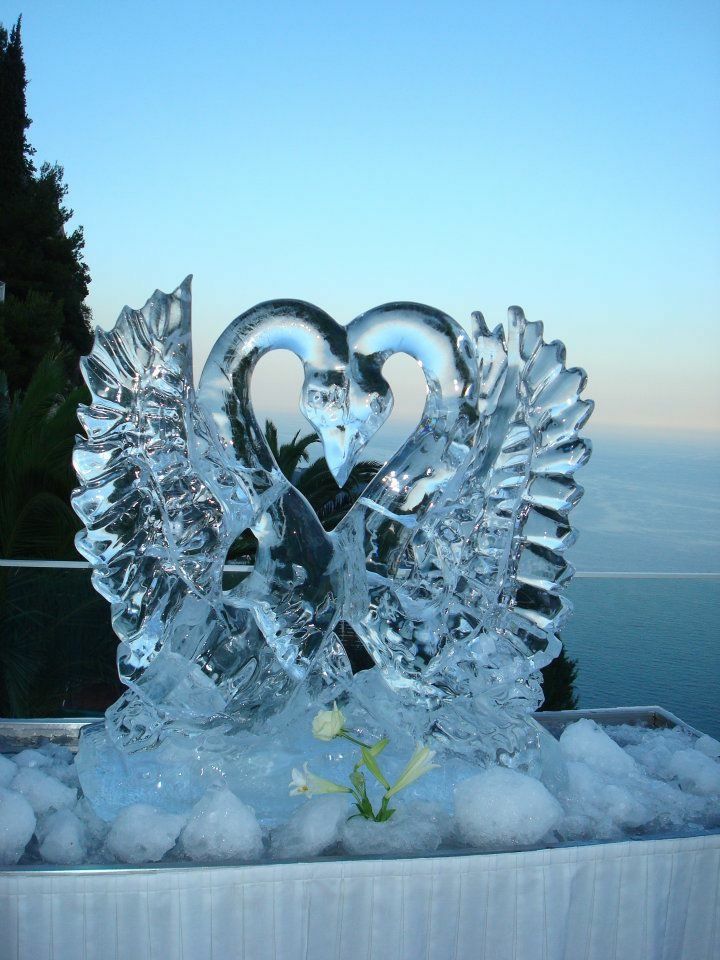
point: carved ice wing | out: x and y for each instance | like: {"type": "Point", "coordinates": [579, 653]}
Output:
{"type": "Point", "coordinates": [156, 531]}
{"type": "Point", "coordinates": [509, 528]}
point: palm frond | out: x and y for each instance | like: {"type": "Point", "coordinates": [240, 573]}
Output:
{"type": "Point", "coordinates": [292, 454]}
{"type": "Point", "coordinates": [43, 394]}
{"type": "Point", "coordinates": [271, 435]}
{"type": "Point", "coordinates": [45, 528]}
{"type": "Point", "coordinates": [288, 456]}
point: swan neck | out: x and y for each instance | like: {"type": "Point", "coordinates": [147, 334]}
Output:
{"type": "Point", "coordinates": [224, 389]}
{"type": "Point", "coordinates": [438, 343]}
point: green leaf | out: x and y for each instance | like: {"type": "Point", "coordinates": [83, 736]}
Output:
{"type": "Point", "coordinates": [357, 779]}
{"type": "Point", "coordinates": [385, 812]}
{"type": "Point", "coordinates": [365, 809]}
{"type": "Point", "coordinates": [377, 748]}
{"type": "Point", "coordinates": [372, 766]}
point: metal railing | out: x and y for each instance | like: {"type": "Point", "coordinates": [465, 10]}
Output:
{"type": "Point", "coordinates": [245, 568]}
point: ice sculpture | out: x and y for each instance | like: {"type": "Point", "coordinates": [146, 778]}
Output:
{"type": "Point", "coordinates": [449, 566]}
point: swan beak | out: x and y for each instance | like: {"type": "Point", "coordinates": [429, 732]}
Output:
{"type": "Point", "coordinates": [341, 448]}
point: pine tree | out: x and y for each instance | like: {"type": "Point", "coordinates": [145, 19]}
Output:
{"type": "Point", "coordinates": [559, 678]}
{"type": "Point", "coordinates": [37, 255]}
{"type": "Point", "coordinates": [16, 166]}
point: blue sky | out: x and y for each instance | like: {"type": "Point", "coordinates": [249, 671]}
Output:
{"type": "Point", "coordinates": [563, 156]}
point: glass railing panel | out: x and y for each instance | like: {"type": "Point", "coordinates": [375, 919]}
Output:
{"type": "Point", "coordinates": [57, 645]}
{"type": "Point", "coordinates": [638, 639]}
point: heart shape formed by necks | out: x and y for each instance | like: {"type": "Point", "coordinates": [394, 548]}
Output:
{"type": "Point", "coordinates": [344, 413]}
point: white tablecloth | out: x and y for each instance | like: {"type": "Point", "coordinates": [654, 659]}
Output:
{"type": "Point", "coordinates": [616, 901]}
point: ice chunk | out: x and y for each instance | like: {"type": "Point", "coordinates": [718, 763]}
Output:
{"type": "Point", "coordinates": [666, 788]}
{"type": "Point", "coordinates": [696, 772]}
{"type": "Point", "coordinates": [653, 749]}
{"type": "Point", "coordinates": [57, 752]}
{"type": "Point", "coordinates": [413, 829]}
{"type": "Point", "coordinates": [64, 772]}
{"type": "Point", "coordinates": [32, 758]}
{"type": "Point", "coordinates": [629, 733]}
{"type": "Point", "coordinates": [675, 756]}
{"type": "Point", "coordinates": [8, 771]}
{"type": "Point", "coordinates": [221, 827]}
{"type": "Point", "coordinates": [598, 808]}
{"type": "Point", "coordinates": [96, 829]}
{"type": "Point", "coordinates": [504, 807]}
{"type": "Point", "coordinates": [314, 827]}
{"type": "Point", "coordinates": [709, 746]}
{"type": "Point", "coordinates": [44, 793]}
{"type": "Point", "coordinates": [63, 838]}
{"type": "Point", "coordinates": [17, 824]}
{"type": "Point", "coordinates": [143, 834]}
{"type": "Point", "coordinates": [624, 808]}
{"type": "Point", "coordinates": [586, 741]}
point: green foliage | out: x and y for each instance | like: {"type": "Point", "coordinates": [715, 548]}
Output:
{"type": "Point", "coordinates": [290, 455]}
{"type": "Point", "coordinates": [37, 255]}
{"type": "Point", "coordinates": [37, 434]}
{"type": "Point", "coordinates": [56, 643]}
{"type": "Point", "coordinates": [29, 329]}
{"type": "Point", "coordinates": [55, 632]}
{"type": "Point", "coordinates": [15, 151]}
{"type": "Point", "coordinates": [559, 678]}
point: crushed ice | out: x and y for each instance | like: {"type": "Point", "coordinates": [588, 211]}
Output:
{"type": "Point", "coordinates": [621, 781]}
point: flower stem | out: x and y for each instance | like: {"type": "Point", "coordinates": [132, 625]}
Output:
{"type": "Point", "coordinates": [348, 736]}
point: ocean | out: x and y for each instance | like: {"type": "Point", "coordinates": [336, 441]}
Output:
{"type": "Point", "coordinates": [651, 505]}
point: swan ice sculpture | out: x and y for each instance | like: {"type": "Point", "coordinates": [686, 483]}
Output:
{"type": "Point", "coordinates": [449, 566]}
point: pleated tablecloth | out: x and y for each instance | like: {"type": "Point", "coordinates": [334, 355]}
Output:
{"type": "Point", "coordinates": [610, 901]}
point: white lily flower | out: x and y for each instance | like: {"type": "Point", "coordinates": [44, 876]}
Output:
{"type": "Point", "coordinates": [418, 765]}
{"type": "Point", "coordinates": [328, 724]}
{"type": "Point", "coordinates": [305, 782]}
{"type": "Point", "coordinates": [299, 782]}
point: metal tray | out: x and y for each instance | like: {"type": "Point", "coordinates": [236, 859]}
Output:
{"type": "Point", "coordinates": [16, 735]}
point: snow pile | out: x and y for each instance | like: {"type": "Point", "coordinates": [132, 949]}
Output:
{"type": "Point", "coordinates": [44, 792]}
{"type": "Point", "coordinates": [708, 746]}
{"type": "Point", "coordinates": [17, 824]}
{"type": "Point", "coordinates": [696, 772]}
{"type": "Point", "coordinates": [313, 829]}
{"type": "Point", "coordinates": [221, 827]}
{"type": "Point", "coordinates": [611, 783]}
{"type": "Point", "coordinates": [501, 807]}
{"type": "Point", "coordinates": [8, 771]}
{"type": "Point", "coordinates": [586, 742]}
{"type": "Point", "coordinates": [635, 782]}
{"type": "Point", "coordinates": [413, 828]}
{"type": "Point", "coordinates": [32, 758]}
{"type": "Point", "coordinates": [142, 834]}
{"type": "Point", "coordinates": [63, 838]}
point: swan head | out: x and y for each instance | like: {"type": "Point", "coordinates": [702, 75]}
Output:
{"type": "Point", "coordinates": [344, 415]}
